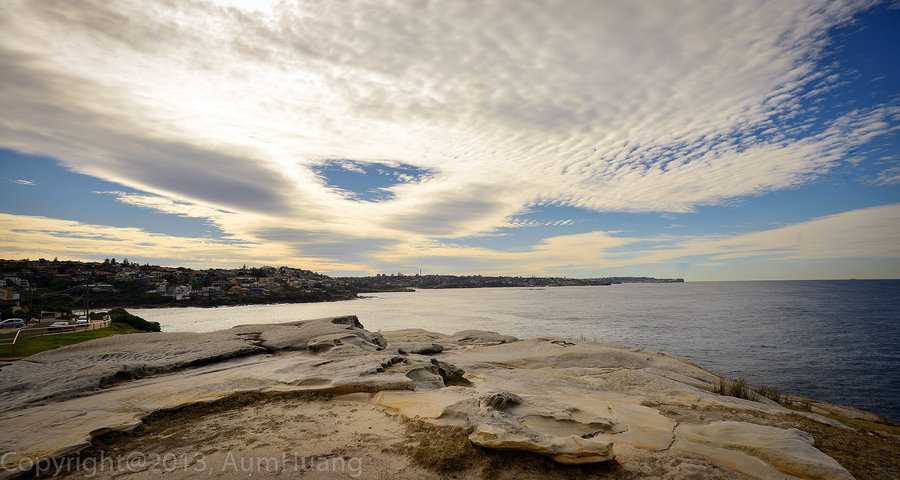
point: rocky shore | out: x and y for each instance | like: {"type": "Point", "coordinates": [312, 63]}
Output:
{"type": "Point", "coordinates": [327, 398]}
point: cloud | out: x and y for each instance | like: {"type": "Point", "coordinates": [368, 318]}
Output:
{"type": "Point", "coordinates": [225, 113]}
{"type": "Point", "coordinates": [27, 236]}
{"type": "Point", "coordinates": [22, 181]}
{"type": "Point", "coordinates": [524, 222]}
{"type": "Point", "coordinates": [864, 233]}
{"type": "Point", "coordinates": [868, 232]}
{"type": "Point", "coordinates": [888, 176]}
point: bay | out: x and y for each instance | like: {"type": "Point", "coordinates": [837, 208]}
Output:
{"type": "Point", "coordinates": [830, 340]}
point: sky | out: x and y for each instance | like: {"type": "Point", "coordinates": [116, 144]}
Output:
{"type": "Point", "coordinates": [703, 140]}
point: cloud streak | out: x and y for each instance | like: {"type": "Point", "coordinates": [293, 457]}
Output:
{"type": "Point", "coordinates": [22, 181]}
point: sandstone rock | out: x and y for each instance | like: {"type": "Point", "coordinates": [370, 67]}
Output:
{"type": "Point", "coordinates": [500, 400]}
{"type": "Point", "coordinates": [538, 424]}
{"type": "Point", "coordinates": [420, 348]}
{"type": "Point", "coordinates": [66, 426]}
{"type": "Point", "coordinates": [789, 451]}
{"type": "Point", "coordinates": [425, 379]}
{"type": "Point", "coordinates": [413, 335]}
{"type": "Point", "coordinates": [480, 337]}
{"type": "Point", "coordinates": [451, 374]}
{"type": "Point", "coordinates": [574, 402]}
{"type": "Point", "coordinates": [78, 369]}
{"type": "Point", "coordinates": [82, 368]}
{"type": "Point", "coordinates": [317, 335]}
{"type": "Point", "coordinates": [424, 404]}
{"type": "Point", "coordinates": [571, 450]}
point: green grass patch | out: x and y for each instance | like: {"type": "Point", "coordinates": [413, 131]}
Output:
{"type": "Point", "coordinates": [865, 425]}
{"type": "Point", "coordinates": [885, 426]}
{"type": "Point", "coordinates": [30, 346]}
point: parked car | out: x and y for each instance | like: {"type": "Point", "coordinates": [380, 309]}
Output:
{"type": "Point", "coordinates": [12, 323]}
{"type": "Point", "coordinates": [83, 320]}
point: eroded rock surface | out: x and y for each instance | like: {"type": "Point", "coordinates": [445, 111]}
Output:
{"type": "Point", "coordinates": [575, 402]}
{"type": "Point", "coordinates": [84, 367]}
{"type": "Point", "coordinates": [789, 451]}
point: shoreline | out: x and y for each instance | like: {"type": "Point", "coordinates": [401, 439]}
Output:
{"type": "Point", "coordinates": [769, 350]}
{"type": "Point", "coordinates": [361, 294]}
{"type": "Point", "coordinates": [183, 304]}
{"type": "Point", "coordinates": [796, 402]}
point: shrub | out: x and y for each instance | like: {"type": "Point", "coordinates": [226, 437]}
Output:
{"type": "Point", "coordinates": [770, 392]}
{"type": "Point", "coordinates": [119, 315]}
{"type": "Point", "coordinates": [738, 388]}
{"type": "Point", "coordinates": [741, 389]}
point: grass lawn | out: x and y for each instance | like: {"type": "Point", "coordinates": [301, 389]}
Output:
{"type": "Point", "coordinates": [30, 346]}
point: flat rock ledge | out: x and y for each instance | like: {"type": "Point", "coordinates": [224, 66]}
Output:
{"type": "Point", "coordinates": [574, 402]}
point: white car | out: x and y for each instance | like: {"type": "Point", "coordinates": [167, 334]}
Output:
{"type": "Point", "coordinates": [83, 320]}
{"type": "Point", "coordinates": [12, 323]}
{"type": "Point", "coordinates": [58, 325]}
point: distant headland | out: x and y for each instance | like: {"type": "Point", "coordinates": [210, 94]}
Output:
{"type": "Point", "coordinates": [60, 285]}
{"type": "Point", "coordinates": [382, 283]}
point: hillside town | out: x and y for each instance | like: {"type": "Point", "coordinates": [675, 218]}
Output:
{"type": "Point", "coordinates": [54, 285]}
{"type": "Point", "coordinates": [65, 286]}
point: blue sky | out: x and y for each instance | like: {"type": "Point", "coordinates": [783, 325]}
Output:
{"type": "Point", "coordinates": [744, 140]}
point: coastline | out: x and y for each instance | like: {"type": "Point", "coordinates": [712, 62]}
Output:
{"type": "Point", "coordinates": [243, 302]}
{"type": "Point", "coordinates": [780, 333]}
{"type": "Point", "coordinates": [630, 411]}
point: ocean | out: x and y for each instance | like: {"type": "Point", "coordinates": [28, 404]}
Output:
{"type": "Point", "coordinates": [837, 341]}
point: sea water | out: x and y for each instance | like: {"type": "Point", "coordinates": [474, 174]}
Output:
{"type": "Point", "coordinates": [837, 341]}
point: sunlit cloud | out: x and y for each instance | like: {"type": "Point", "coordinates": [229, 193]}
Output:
{"type": "Point", "coordinates": [870, 232]}
{"type": "Point", "coordinates": [32, 237]}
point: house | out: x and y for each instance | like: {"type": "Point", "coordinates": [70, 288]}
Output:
{"type": "Point", "coordinates": [182, 292]}
{"type": "Point", "coordinates": [8, 294]}
{"type": "Point", "coordinates": [254, 287]}
{"type": "Point", "coordinates": [212, 292]}
{"type": "Point", "coordinates": [237, 290]}
{"type": "Point", "coordinates": [102, 287]}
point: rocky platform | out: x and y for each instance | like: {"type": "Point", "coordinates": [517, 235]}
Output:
{"type": "Point", "coordinates": [573, 402]}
